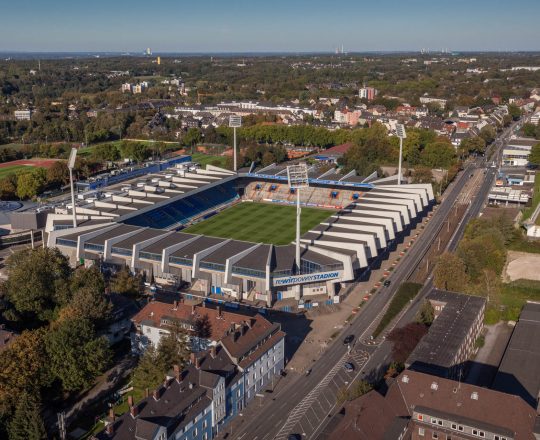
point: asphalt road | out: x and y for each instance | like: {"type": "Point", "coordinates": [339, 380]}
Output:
{"type": "Point", "coordinates": [304, 404]}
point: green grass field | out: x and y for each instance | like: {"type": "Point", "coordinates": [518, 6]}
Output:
{"type": "Point", "coordinates": [6, 171]}
{"type": "Point", "coordinates": [259, 222]}
{"type": "Point", "coordinates": [204, 159]}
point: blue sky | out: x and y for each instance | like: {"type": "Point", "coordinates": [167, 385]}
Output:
{"type": "Point", "coordinates": [271, 25]}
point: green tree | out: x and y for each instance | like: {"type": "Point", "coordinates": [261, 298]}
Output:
{"type": "Point", "coordinates": [440, 154]}
{"type": "Point", "coordinates": [125, 283]}
{"type": "Point", "coordinates": [173, 349]}
{"type": "Point", "coordinates": [473, 144]}
{"type": "Point", "coordinates": [203, 327]}
{"type": "Point", "coordinates": [450, 273]}
{"type": "Point", "coordinates": [27, 423]}
{"type": "Point", "coordinates": [38, 281]}
{"type": "Point", "coordinates": [77, 356]}
{"type": "Point", "coordinates": [488, 133]}
{"type": "Point", "coordinates": [534, 157]}
{"type": "Point", "coordinates": [192, 137]}
{"type": "Point", "coordinates": [31, 183]}
{"type": "Point", "coordinates": [426, 314]}
{"type": "Point", "coordinates": [148, 373]}
{"type": "Point", "coordinates": [8, 187]}
{"type": "Point", "coordinates": [514, 111]}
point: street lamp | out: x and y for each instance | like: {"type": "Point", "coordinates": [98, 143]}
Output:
{"type": "Point", "coordinates": [297, 176]}
{"type": "Point", "coordinates": [71, 165]}
{"type": "Point", "coordinates": [235, 122]}
{"type": "Point", "coordinates": [401, 133]}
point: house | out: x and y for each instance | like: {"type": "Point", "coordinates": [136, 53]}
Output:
{"type": "Point", "coordinates": [450, 341]}
{"type": "Point", "coordinates": [430, 100]}
{"type": "Point", "coordinates": [197, 401]}
{"type": "Point", "coordinates": [204, 323]}
{"type": "Point", "coordinates": [331, 155]}
{"type": "Point", "coordinates": [419, 406]}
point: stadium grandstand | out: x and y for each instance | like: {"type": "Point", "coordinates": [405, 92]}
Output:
{"type": "Point", "coordinates": [141, 223]}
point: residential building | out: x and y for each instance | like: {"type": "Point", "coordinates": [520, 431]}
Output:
{"type": "Point", "coordinates": [450, 341]}
{"type": "Point", "coordinates": [368, 93]}
{"type": "Point", "coordinates": [419, 406]}
{"type": "Point", "coordinates": [126, 87]}
{"type": "Point", "coordinates": [430, 100]}
{"type": "Point", "coordinates": [332, 155]}
{"type": "Point", "coordinates": [196, 402]}
{"type": "Point", "coordinates": [519, 370]}
{"type": "Point", "coordinates": [156, 318]}
{"type": "Point", "coordinates": [23, 115]}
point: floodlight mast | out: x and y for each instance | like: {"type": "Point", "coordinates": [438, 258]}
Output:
{"type": "Point", "coordinates": [235, 122]}
{"type": "Point", "coordinates": [71, 165]}
{"type": "Point", "coordinates": [402, 134]}
{"type": "Point", "coordinates": [298, 178]}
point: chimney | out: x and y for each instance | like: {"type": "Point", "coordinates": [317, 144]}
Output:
{"type": "Point", "coordinates": [134, 411]}
{"type": "Point", "coordinates": [193, 309]}
{"type": "Point", "coordinates": [146, 393]}
{"type": "Point", "coordinates": [204, 304]}
{"type": "Point", "coordinates": [197, 364]}
{"type": "Point", "coordinates": [111, 414]}
{"type": "Point", "coordinates": [219, 311]}
{"type": "Point", "coordinates": [130, 401]}
{"type": "Point", "coordinates": [250, 322]}
{"type": "Point", "coordinates": [175, 305]}
{"type": "Point", "coordinates": [213, 351]}
{"type": "Point", "coordinates": [192, 358]}
{"type": "Point", "coordinates": [156, 394]}
{"type": "Point", "coordinates": [176, 369]}
{"type": "Point", "coordinates": [109, 429]}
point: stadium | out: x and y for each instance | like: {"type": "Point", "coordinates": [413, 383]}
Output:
{"type": "Point", "coordinates": [230, 236]}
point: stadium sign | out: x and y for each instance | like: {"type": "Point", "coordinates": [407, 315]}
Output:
{"type": "Point", "coordinates": [310, 278]}
{"type": "Point", "coordinates": [315, 181]}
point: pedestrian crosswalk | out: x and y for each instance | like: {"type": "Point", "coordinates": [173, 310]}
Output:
{"type": "Point", "coordinates": [296, 415]}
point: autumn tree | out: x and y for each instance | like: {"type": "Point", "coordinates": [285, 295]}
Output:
{"type": "Point", "coordinates": [405, 339]}
{"type": "Point", "coordinates": [58, 174]}
{"type": "Point", "coordinates": [449, 273]}
{"type": "Point", "coordinates": [30, 183]}
{"type": "Point", "coordinates": [24, 366]}
{"type": "Point", "coordinates": [422, 175]}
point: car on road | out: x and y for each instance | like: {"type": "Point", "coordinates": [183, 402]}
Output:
{"type": "Point", "coordinates": [294, 437]}
{"type": "Point", "coordinates": [387, 283]}
{"type": "Point", "coordinates": [308, 372]}
{"type": "Point", "coordinates": [349, 367]}
{"type": "Point", "coordinates": [348, 339]}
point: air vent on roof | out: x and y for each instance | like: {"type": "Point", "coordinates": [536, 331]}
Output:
{"type": "Point", "coordinates": [455, 390]}
{"type": "Point", "coordinates": [434, 386]}
{"type": "Point", "coordinates": [474, 395]}
{"type": "Point", "coordinates": [405, 379]}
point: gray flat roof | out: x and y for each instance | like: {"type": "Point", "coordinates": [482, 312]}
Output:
{"type": "Point", "coordinates": [120, 230]}
{"type": "Point", "coordinates": [256, 259]}
{"type": "Point", "coordinates": [320, 237]}
{"type": "Point", "coordinates": [170, 240]}
{"type": "Point", "coordinates": [197, 246]}
{"type": "Point", "coordinates": [145, 234]}
{"type": "Point", "coordinates": [519, 372]}
{"type": "Point", "coordinates": [448, 331]}
{"type": "Point", "coordinates": [233, 247]}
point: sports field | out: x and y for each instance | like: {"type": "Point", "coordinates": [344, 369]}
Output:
{"type": "Point", "coordinates": [259, 222]}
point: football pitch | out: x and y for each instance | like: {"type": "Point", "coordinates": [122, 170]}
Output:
{"type": "Point", "coordinates": [259, 222]}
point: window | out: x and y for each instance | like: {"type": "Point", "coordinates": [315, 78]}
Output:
{"type": "Point", "coordinates": [205, 424]}
{"type": "Point", "coordinates": [434, 421]}
{"type": "Point", "coordinates": [439, 422]}
{"type": "Point", "coordinates": [460, 428]}
{"type": "Point", "coordinates": [454, 426]}
{"type": "Point", "coordinates": [421, 431]}
{"type": "Point", "coordinates": [474, 432]}
{"type": "Point", "coordinates": [434, 435]}
{"type": "Point", "coordinates": [420, 417]}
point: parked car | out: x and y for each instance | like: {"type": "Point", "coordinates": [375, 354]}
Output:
{"type": "Point", "coordinates": [349, 367]}
{"type": "Point", "coordinates": [387, 283]}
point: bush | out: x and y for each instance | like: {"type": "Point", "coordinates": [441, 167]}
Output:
{"type": "Point", "coordinates": [406, 292]}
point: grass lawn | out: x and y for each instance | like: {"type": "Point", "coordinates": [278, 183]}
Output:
{"type": "Point", "coordinates": [259, 222]}
{"type": "Point", "coordinates": [527, 212]}
{"type": "Point", "coordinates": [204, 159]}
{"type": "Point", "coordinates": [5, 171]}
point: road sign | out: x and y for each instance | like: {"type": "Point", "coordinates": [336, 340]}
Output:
{"type": "Point", "coordinates": [235, 121]}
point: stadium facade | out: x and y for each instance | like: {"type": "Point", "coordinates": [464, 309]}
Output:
{"type": "Point", "coordinates": [138, 223]}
